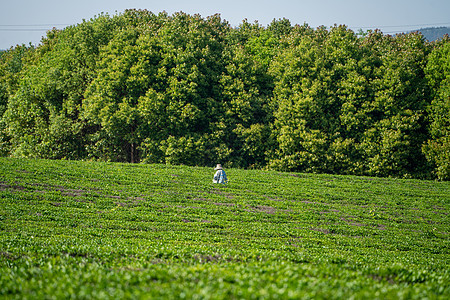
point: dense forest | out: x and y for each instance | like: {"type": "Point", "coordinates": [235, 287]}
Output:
{"type": "Point", "coordinates": [182, 89]}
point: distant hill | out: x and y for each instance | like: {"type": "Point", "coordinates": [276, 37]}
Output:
{"type": "Point", "coordinates": [434, 33]}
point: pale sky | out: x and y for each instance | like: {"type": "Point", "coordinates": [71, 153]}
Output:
{"type": "Point", "coordinates": [25, 21]}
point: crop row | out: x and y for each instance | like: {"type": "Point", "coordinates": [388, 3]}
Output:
{"type": "Point", "coordinates": [107, 230]}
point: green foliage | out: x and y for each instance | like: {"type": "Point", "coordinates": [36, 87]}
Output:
{"type": "Point", "coordinates": [111, 230]}
{"type": "Point", "coordinates": [437, 148]}
{"type": "Point", "coordinates": [156, 82]}
{"type": "Point", "coordinates": [350, 105]}
{"type": "Point", "coordinates": [309, 105]}
{"type": "Point", "coordinates": [401, 96]}
{"type": "Point", "coordinates": [51, 90]}
{"type": "Point", "coordinates": [182, 89]}
{"type": "Point", "coordinates": [12, 62]}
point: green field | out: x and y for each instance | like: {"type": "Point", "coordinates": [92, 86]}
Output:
{"type": "Point", "coordinates": [107, 230]}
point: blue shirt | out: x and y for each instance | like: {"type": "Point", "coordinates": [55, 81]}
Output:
{"type": "Point", "coordinates": [220, 177]}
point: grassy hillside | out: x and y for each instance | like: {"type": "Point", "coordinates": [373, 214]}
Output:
{"type": "Point", "coordinates": [108, 230]}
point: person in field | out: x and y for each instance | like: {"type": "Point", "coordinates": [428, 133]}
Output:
{"type": "Point", "coordinates": [220, 176]}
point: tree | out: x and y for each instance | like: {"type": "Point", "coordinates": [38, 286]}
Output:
{"type": "Point", "coordinates": [307, 75]}
{"type": "Point", "coordinates": [351, 106]}
{"type": "Point", "coordinates": [396, 115]}
{"type": "Point", "coordinates": [12, 62]}
{"type": "Point", "coordinates": [246, 115]}
{"type": "Point", "coordinates": [43, 115]}
{"type": "Point", "coordinates": [437, 148]}
{"type": "Point", "coordinates": [182, 89]}
{"type": "Point", "coordinates": [156, 87]}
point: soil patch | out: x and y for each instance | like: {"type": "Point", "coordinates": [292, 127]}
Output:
{"type": "Point", "coordinates": [225, 204]}
{"type": "Point", "coordinates": [5, 186]}
{"type": "Point", "coordinates": [262, 208]}
{"type": "Point", "coordinates": [273, 198]}
{"type": "Point", "coordinates": [218, 191]}
{"type": "Point", "coordinates": [326, 231]}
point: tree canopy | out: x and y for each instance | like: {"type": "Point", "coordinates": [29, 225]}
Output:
{"type": "Point", "coordinates": [183, 89]}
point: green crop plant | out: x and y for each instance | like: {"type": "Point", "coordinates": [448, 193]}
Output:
{"type": "Point", "coordinates": [111, 230]}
